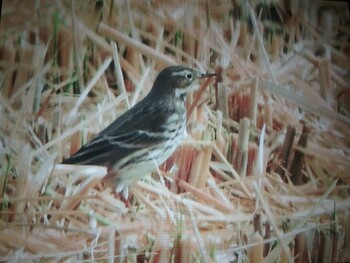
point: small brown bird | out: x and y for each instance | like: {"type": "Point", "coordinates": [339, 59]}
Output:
{"type": "Point", "coordinates": [145, 136]}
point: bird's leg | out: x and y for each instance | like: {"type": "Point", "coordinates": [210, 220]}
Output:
{"type": "Point", "coordinates": [126, 200]}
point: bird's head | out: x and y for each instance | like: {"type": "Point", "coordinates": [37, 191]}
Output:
{"type": "Point", "coordinates": [177, 79]}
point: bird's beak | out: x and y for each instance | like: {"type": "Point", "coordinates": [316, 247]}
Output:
{"type": "Point", "coordinates": [207, 75]}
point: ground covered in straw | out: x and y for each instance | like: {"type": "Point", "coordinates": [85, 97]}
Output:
{"type": "Point", "coordinates": [263, 175]}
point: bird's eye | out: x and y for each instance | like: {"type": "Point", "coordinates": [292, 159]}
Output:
{"type": "Point", "coordinates": [189, 75]}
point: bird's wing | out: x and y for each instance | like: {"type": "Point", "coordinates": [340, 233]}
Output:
{"type": "Point", "coordinates": [136, 129]}
{"type": "Point", "coordinates": [108, 149]}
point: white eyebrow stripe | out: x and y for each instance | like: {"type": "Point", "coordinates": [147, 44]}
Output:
{"type": "Point", "coordinates": [180, 73]}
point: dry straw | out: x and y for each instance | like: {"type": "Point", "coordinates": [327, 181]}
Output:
{"type": "Point", "coordinates": [263, 175]}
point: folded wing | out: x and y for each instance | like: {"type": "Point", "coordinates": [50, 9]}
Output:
{"type": "Point", "coordinates": [136, 129]}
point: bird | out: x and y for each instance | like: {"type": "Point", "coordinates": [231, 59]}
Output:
{"type": "Point", "coordinates": [146, 135]}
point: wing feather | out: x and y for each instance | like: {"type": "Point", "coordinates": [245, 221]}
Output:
{"type": "Point", "coordinates": [134, 130]}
